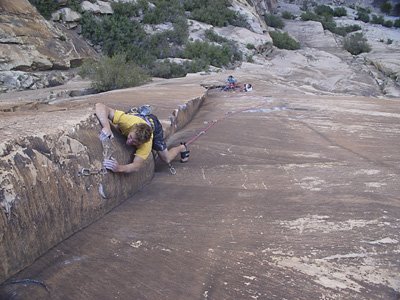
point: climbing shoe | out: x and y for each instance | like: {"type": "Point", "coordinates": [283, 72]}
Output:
{"type": "Point", "coordinates": [185, 154]}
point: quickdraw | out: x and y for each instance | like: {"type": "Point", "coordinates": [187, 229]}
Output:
{"type": "Point", "coordinates": [89, 172]}
{"type": "Point", "coordinates": [172, 169]}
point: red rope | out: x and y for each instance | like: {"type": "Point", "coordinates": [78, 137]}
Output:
{"type": "Point", "coordinates": [227, 115]}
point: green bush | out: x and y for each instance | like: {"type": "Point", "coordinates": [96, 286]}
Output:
{"type": "Point", "coordinates": [396, 10]}
{"type": "Point", "coordinates": [352, 28]}
{"type": "Point", "coordinates": [110, 73]}
{"type": "Point", "coordinates": [214, 12]}
{"type": "Point", "coordinates": [388, 23]}
{"type": "Point", "coordinates": [339, 12]}
{"type": "Point", "coordinates": [167, 69]}
{"type": "Point", "coordinates": [309, 16]}
{"type": "Point", "coordinates": [323, 10]}
{"type": "Point", "coordinates": [282, 40]}
{"type": "Point", "coordinates": [356, 44]}
{"type": "Point", "coordinates": [397, 23]}
{"type": "Point", "coordinates": [377, 19]}
{"type": "Point", "coordinates": [128, 9]}
{"type": "Point", "coordinates": [305, 5]}
{"type": "Point", "coordinates": [240, 21]}
{"type": "Point", "coordinates": [249, 58]}
{"type": "Point", "coordinates": [250, 46]}
{"type": "Point", "coordinates": [164, 11]}
{"type": "Point", "coordinates": [180, 33]}
{"type": "Point", "coordinates": [344, 30]}
{"type": "Point", "coordinates": [45, 7]}
{"type": "Point", "coordinates": [364, 9]}
{"type": "Point", "coordinates": [115, 34]}
{"type": "Point", "coordinates": [215, 55]}
{"type": "Point", "coordinates": [328, 23]}
{"type": "Point", "coordinates": [386, 7]}
{"type": "Point", "coordinates": [287, 15]}
{"type": "Point", "coordinates": [362, 16]}
{"type": "Point", "coordinates": [274, 21]}
{"type": "Point", "coordinates": [214, 37]}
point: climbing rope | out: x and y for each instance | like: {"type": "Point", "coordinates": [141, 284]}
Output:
{"type": "Point", "coordinates": [212, 123]}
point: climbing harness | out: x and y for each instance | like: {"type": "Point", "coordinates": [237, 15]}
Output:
{"type": "Point", "coordinates": [89, 172]}
{"type": "Point", "coordinates": [143, 112]}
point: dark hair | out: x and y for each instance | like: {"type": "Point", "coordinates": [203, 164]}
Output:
{"type": "Point", "coordinates": [143, 132]}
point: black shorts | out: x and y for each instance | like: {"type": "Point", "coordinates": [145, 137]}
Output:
{"type": "Point", "coordinates": [158, 134]}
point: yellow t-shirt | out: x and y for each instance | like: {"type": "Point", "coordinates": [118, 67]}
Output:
{"type": "Point", "coordinates": [125, 123]}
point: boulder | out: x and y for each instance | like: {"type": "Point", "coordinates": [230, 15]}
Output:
{"type": "Point", "coordinates": [66, 15]}
{"type": "Point", "coordinates": [30, 43]}
{"type": "Point", "coordinates": [99, 7]}
{"type": "Point", "coordinates": [255, 21]}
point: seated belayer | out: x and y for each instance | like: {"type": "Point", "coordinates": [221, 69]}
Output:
{"type": "Point", "coordinates": [231, 80]}
{"type": "Point", "coordinates": [231, 83]}
{"type": "Point", "coordinates": [143, 131]}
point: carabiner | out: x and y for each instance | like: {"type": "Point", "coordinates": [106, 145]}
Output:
{"type": "Point", "coordinates": [84, 172]}
{"type": "Point", "coordinates": [103, 171]}
{"type": "Point", "coordinates": [171, 169]}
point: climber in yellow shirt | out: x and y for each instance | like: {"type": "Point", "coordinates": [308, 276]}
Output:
{"type": "Point", "coordinates": [143, 133]}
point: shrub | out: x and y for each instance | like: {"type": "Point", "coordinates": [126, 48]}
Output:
{"type": "Point", "coordinates": [396, 10]}
{"type": "Point", "coordinates": [250, 46]}
{"type": "Point", "coordinates": [339, 12]}
{"type": "Point", "coordinates": [45, 7]}
{"type": "Point", "coordinates": [249, 58]}
{"type": "Point", "coordinates": [215, 55]}
{"type": "Point", "coordinates": [388, 23]}
{"type": "Point", "coordinates": [214, 37]}
{"type": "Point", "coordinates": [397, 23]}
{"type": "Point", "coordinates": [364, 9]}
{"type": "Point", "coordinates": [110, 73]}
{"type": "Point", "coordinates": [352, 28]}
{"type": "Point", "coordinates": [274, 21]}
{"type": "Point", "coordinates": [328, 23]}
{"type": "Point", "coordinates": [127, 9]}
{"type": "Point", "coordinates": [309, 16]}
{"type": "Point", "coordinates": [356, 44]}
{"type": "Point", "coordinates": [214, 12]}
{"type": "Point", "coordinates": [164, 11]}
{"type": "Point", "coordinates": [386, 7]}
{"type": "Point", "coordinates": [323, 10]}
{"type": "Point", "coordinates": [344, 30]}
{"type": "Point", "coordinates": [282, 40]}
{"type": "Point", "coordinates": [240, 21]}
{"type": "Point", "coordinates": [362, 16]}
{"type": "Point", "coordinates": [167, 69]}
{"type": "Point", "coordinates": [305, 5]}
{"type": "Point", "coordinates": [377, 19]}
{"type": "Point", "coordinates": [287, 15]}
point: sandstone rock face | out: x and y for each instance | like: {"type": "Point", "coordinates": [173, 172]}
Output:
{"type": "Point", "coordinates": [45, 195]}
{"type": "Point", "coordinates": [40, 184]}
{"type": "Point", "coordinates": [243, 37]}
{"type": "Point", "coordinates": [373, 73]}
{"type": "Point", "coordinates": [263, 6]}
{"type": "Point", "coordinates": [30, 43]}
